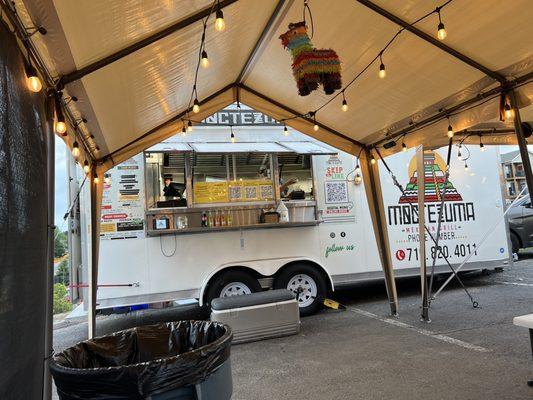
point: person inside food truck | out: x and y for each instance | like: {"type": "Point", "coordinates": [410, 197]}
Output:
{"type": "Point", "coordinates": [169, 190]}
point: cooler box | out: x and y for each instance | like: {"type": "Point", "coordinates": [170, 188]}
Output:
{"type": "Point", "coordinates": [258, 316]}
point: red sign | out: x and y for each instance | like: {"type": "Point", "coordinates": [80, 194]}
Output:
{"type": "Point", "coordinates": [400, 255]}
{"type": "Point", "coordinates": [114, 216]}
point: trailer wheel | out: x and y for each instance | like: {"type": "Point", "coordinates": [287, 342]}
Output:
{"type": "Point", "coordinates": [307, 283]}
{"type": "Point", "coordinates": [231, 283]}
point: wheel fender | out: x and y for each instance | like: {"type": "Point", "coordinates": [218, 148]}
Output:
{"type": "Point", "coordinates": [262, 267]}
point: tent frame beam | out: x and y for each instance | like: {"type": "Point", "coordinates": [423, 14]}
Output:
{"type": "Point", "coordinates": [522, 142]}
{"type": "Point", "coordinates": [444, 112]}
{"type": "Point", "coordinates": [433, 41]}
{"type": "Point", "coordinates": [255, 51]}
{"type": "Point", "coordinates": [111, 58]}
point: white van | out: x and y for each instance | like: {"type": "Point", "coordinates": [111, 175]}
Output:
{"type": "Point", "coordinates": [219, 234]}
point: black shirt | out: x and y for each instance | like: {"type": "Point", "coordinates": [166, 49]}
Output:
{"type": "Point", "coordinates": [171, 191]}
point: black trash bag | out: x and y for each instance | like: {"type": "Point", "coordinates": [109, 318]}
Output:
{"type": "Point", "coordinates": [143, 361]}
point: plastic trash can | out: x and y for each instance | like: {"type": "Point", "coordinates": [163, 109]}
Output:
{"type": "Point", "coordinates": [184, 360]}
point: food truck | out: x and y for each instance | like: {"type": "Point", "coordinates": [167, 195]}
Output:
{"type": "Point", "coordinates": [229, 210]}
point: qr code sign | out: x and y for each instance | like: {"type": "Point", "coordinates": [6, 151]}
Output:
{"type": "Point", "coordinates": [267, 192]}
{"type": "Point", "coordinates": [250, 192]}
{"type": "Point", "coordinates": [235, 192]}
{"type": "Point", "coordinates": [336, 192]}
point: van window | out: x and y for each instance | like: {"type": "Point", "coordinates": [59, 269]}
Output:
{"type": "Point", "coordinates": [296, 176]}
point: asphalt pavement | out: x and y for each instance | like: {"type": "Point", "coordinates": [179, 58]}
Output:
{"type": "Point", "coordinates": [363, 353]}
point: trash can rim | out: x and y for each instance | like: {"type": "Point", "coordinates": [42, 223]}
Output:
{"type": "Point", "coordinates": [224, 338]}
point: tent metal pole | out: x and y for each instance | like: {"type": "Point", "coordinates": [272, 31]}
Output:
{"type": "Point", "coordinates": [370, 174]}
{"type": "Point", "coordinates": [522, 143]}
{"type": "Point", "coordinates": [49, 304]}
{"type": "Point", "coordinates": [433, 41]}
{"type": "Point", "coordinates": [111, 58]}
{"type": "Point", "coordinates": [92, 270]}
{"type": "Point", "coordinates": [253, 54]}
{"type": "Point", "coordinates": [420, 180]}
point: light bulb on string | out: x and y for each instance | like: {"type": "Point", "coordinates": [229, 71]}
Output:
{"type": "Point", "coordinates": [459, 152]}
{"type": "Point", "coordinates": [196, 106]}
{"type": "Point", "coordinates": [220, 25]}
{"type": "Point", "coordinates": [183, 131]}
{"type": "Point", "coordinates": [382, 73]}
{"type": "Point", "coordinates": [86, 167]}
{"type": "Point", "coordinates": [441, 31]}
{"type": "Point", "coordinates": [75, 149]}
{"type": "Point", "coordinates": [404, 147]}
{"type": "Point", "coordinates": [481, 145]}
{"type": "Point", "coordinates": [358, 179]}
{"type": "Point", "coordinates": [508, 111]}
{"type": "Point", "coordinates": [96, 179]}
{"type": "Point", "coordinates": [205, 59]}
{"type": "Point", "coordinates": [33, 81]}
{"type": "Point", "coordinates": [373, 160]}
{"type": "Point", "coordinates": [344, 106]}
{"type": "Point", "coordinates": [357, 169]}
{"type": "Point", "coordinates": [315, 126]}
{"type": "Point", "coordinates": [189, 126]}
{"type": "Point", "coordinates": [285, 130]}
{"type": "Point", "coordinates": [466, 167]}
{"type": "Point", "coordinates": [232, 136]}
{"type": "Point", "coordinates": [450, 131]}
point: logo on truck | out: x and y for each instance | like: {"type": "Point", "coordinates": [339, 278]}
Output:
{"type": "Point", "coordinates": [434, 180]}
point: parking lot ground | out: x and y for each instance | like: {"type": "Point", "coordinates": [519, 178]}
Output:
{"type": "Point", "coordinates": [362, 353]}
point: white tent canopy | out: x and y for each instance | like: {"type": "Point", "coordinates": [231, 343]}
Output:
{"type": "Point", "coordinates": [134, 99]}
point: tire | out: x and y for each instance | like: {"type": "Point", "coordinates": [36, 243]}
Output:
{"type": "Point", "coordinates": [515, 243]}
{"type": "Point", "coordinates": [239, 282]}
{"type": "Point", "coordinates": [308, 278]}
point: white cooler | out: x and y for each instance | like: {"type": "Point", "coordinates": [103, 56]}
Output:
{"type": "Point", "coordinates": [258, 316]}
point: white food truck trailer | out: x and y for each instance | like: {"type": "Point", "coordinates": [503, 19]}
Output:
{"type": "Point", "coordinates": [218, 234]}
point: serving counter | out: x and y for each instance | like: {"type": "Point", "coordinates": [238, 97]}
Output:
{"type": "Point", "coordinates": [188, 220]}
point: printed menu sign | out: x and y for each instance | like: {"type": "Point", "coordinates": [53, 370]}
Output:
{"type": "Point", "coordinates": [123, 201]}
{"type": "Point", "coordinates": [234, 191]}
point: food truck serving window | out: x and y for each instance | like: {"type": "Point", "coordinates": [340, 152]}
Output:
{"type": "Point", "coordinates": [241, 177]}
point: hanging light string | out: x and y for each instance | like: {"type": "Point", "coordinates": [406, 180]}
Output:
{"type": "Point", "coordinates": [379, 56]}
{"type": "Point", "coordinates": [193, 100]}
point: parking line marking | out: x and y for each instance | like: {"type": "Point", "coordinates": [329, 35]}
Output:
{"type": "Point", "coordinates": [424, 332]}
{"type": "Point", "coordinates": [515, 283]}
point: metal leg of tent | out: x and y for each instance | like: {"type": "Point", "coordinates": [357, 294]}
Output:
{"type": "Point", "coordinates": [92, 275]}
{"type": "Point", "coordinates": [49, 305]}
{"type": "Point", "coordinates": [420, 177]}
{"type": "Point", "coordinates": [377, 212]}
{"type": "Point", "coordinates": [522, 143]}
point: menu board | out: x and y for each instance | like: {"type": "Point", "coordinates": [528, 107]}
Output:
{"type": "Point", "coordinates": [123, 201]}
{"type": "Point", "coordinates": [234, 191]}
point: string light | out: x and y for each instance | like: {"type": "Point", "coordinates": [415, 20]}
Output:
{"type": "Point", "coordinates": [286, 131]}
{"type": "Point", "coordinates": [344, 106]}
{"type": "Point", "coordinates": [86, 167]}
{"type": "Point", "coordinates": [196, 106]}
{"type": "Point", "coordinates": [232, 136]}
{"type": "Point", "coordinates": [96, 179]}
{"type": "Point", "coordinates": [441, 32]}
{"type": "Point", "coordinates": [404, 147]}
{"type": "Point", "coordinates": [373, 160]}
{"type": "Point", "coordinates": [75, 150]}
{"type": "Point", "coordinates": [481, 145]}
{"type": "Point", "coordinates": [357, 168]}
{"type": "Point", "coordinates": [61, 126]}
{"type": "Point", "coordinates": [205, 59]}
{"type": "Point", "coordinates": [459, 152]}
{"type": "Point", "coordinates": [382, 73]}
{"type": "Point", "coordinates": [358, 179]}
{"type": "Point", "coordinates": [315, 126]}
{"type": "Point", "coordinates": [33, 81]}
{"type": "Point", "coordinates": [189, 126]}
{"type": "Point", "coordinates": [183, 131]}
{"type": "Point", "coordinates": [466, 167]}
{"type": "Point", "coordinates": [508, 111]}
{"type": "Point", "coordinates": [450, 129]}
{"type": "Point", "coordinates": [220, 25]}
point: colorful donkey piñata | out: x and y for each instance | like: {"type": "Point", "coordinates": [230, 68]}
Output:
{"type": "Point", "coordinates": [311, 66]}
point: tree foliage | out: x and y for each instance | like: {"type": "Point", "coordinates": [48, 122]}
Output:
{"type": "Point", "coordinates": [61, 303]}
{"type": "Point", "coordinates": [62, 273]}
{"type": "Point", "coordinates": [60, 244]}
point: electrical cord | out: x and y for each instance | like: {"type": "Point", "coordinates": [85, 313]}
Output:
{"type": "Point", "coordinates": [173, 251]}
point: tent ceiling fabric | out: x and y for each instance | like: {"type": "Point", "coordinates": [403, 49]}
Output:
{"type": "Point", "coordinates": [131, 96]}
